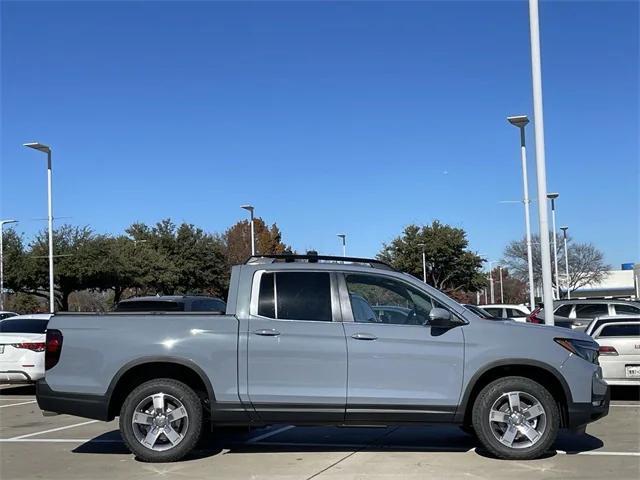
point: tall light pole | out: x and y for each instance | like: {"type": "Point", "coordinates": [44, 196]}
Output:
{"type": "Point", "coordinates": [501, 288]}
{"type": "Point", "coordinates": [343, 237]}
{"type": "Point", "coordinates": [566, 260]}
{"type": "Point", "coordinates": [2, 224]}
{"type": "Point", "coordinates": [552, 197]}
{"type": "Point", "coordinates": [493, 298]}
{"type": "Point", "coordinates": [521, 121]}
{"type": "Point", "coordinates": [46, 149]}
{"type": "Point", "coordinates": [541, 168]}
{"type": "Point", "coordinates": [424, 262]}
{"type": "Point", "coordinates": [250, 209]}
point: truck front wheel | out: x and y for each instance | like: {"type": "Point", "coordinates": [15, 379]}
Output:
{"type": "Point", "coordinates": [516, 418]}
{"type": "Point", "coordinates": [161, 420]}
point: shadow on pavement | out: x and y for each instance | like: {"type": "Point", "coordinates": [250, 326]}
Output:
{"type": "Point", "coordinates": [13, 390]}
{"type": "Point", "coordinates": [625, 393]}
{"type": "Point", "coordinates": [333, 439]}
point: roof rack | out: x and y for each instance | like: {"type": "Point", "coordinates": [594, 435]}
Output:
{"type": "Point", "coordinates": [314, 258]}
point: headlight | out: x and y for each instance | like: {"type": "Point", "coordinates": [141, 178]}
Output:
{"type": "Point", "coordinates": [583, 348]}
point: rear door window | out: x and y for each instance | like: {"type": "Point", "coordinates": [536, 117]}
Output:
{"type": "Point", "coordinates": [514, 313]}
{"type": "Point", "coordinates": [295, 296]}
{"type": "Point", "coordinates": [592, 310]}
{"type": "Point", "coordinates": [494, 312]}
{"type": "Point", "coordinates": [208, 305]}
{"type": "Point", "coordinates": [564, 311]}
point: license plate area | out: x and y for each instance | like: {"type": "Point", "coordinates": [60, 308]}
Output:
{"type": "Point", "coordinates": [632, 371]}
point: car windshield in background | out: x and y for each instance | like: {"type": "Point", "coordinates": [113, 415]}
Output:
{"type": "Point", "coordinates": [150, 306]}
{"type": "Point", "coordinates": [23, 326]}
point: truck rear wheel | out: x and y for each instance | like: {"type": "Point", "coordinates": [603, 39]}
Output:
{"type": "Point", "coordinates": [161, 420]}
{"type": "Point", "coordinates": [516, 418]}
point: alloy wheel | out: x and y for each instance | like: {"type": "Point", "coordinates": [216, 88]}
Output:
{"type": "Point", "coordinates": [160, 421]}
{"type": "Point", "coordinates": [517, 420]}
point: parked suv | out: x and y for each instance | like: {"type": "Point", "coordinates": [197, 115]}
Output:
{"type": "Point", "coordinates": [300, 344]}
{"type": "Point", "coordinates": [172, 303]}
{"type": "Point", "coordinates": [579, 313]}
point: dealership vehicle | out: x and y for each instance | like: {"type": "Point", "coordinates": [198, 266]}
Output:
{"type": "Point", "coordinates": [518, 313]}
{"type": "Point", "coordinates": [577, 314]}
{"type": "Point", "coordinates": [480, 312]}
{"type": "Point", "coordinates": [597, 322]}
{"type": "Point", "coordinates": [22, 343]}
{"type": "Point", "coordinates": [172, 303]}
{"type": "Point", "coordinates": [620, 351]}
{"type": "Point", "coordinates": [282, 351]}
{"type": "Point", "coordinates": [4, 314]}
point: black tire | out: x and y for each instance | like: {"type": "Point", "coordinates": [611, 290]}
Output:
{"type": "Point", "coordinates": [484, 429]}
{"type": "Point", "coordinates": [193, 428]}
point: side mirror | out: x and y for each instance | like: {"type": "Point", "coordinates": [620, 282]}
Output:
{"type": "Point", "coordinates": [439, 317]}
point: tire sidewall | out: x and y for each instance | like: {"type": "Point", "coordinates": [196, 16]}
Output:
{"type": "Point", "coordinates": [192, 405]}
{"type": "Point", "coordinates": [485, 401]}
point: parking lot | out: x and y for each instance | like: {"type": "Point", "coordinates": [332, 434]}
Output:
{"type": "Point", "coordinates": [66, 447]}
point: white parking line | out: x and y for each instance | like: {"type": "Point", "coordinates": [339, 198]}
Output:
{"type": "Point", "coordinates": [624, 405]}
{"type": "Point", "coordinates": [321, 445]}
{"type": "Point", "coordinates": [58, 440]}
{"type": "Point", "coordinates": [52, 430]}
{"type": "Point", "coordinates": [270, 434]}
{"type": "Point", "coordinates": [598, 452]}
{"type": "Point", "coordinates": [16, 404]}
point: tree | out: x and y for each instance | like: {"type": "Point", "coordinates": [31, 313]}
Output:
{"type": "Point", "coordinates": [586, 262]}
{"type": "Point", "coordinates": [514, 290]}
{"type": "Point", "coordinates": [172, 259]}
{"type": "Point", "coordinates": [78, 263]}
{"type": "Point", "coordinates": [451, 267]}
{"type": "Point", "coordinates": [237, 241]}
{"type": "Point", "coordinates": [15, 258]}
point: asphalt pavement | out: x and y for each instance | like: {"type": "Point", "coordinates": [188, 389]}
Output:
{"type": "Point", "coordinates": [65, 447]}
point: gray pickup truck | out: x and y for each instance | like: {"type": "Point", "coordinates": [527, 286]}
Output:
{"type": "Point", "coordinates": [301, 344]}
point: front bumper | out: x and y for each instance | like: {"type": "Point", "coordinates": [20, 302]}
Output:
{"type": "Point", "coordinates": [580, 414]}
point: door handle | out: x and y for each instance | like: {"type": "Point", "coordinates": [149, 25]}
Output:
{"type": "Point", "coordinates": [267, 332]}
{"type": "Point", "coordinates": [363, 336]}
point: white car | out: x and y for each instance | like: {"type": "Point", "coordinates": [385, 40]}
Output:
{"type": "Point", "coordinates": [5, 314]}
{"type": "Point", "coordinates": [22, 345]}
{"type": "Point", "coordinates": [620, 351]}
{"type": "Point", "coordinates": [518, 313]}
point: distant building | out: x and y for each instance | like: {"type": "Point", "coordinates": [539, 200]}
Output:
{"type": "Point", "coordinates": [623, 283]}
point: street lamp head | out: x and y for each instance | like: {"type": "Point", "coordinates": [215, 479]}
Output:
{"type": "Point", "coordinates": [519, 121]}
{"type": "Point", "coordinates": [552, 196]}
{"type": "Point", "coordinates": [564, 229]}
{"type": "Point", "coordinates": [341, 235]}
{"type": "Point", "coordinates": [4, 222]}
{"type": "Point", "coordinates": [248, 208]}
{"type": "Point", "coordinates": [38, 146]}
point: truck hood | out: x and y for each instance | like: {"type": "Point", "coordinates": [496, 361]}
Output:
{"type": "Point", "coordinates": [526, 329]}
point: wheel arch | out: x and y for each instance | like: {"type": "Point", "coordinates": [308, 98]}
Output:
{"type": "Point", "coordinates": [537, 371]}
{"type": "Point", "coordinates": [147, 368]}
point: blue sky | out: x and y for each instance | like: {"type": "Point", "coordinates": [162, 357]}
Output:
{"type": "Point", "coordinates": [328, 117]}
